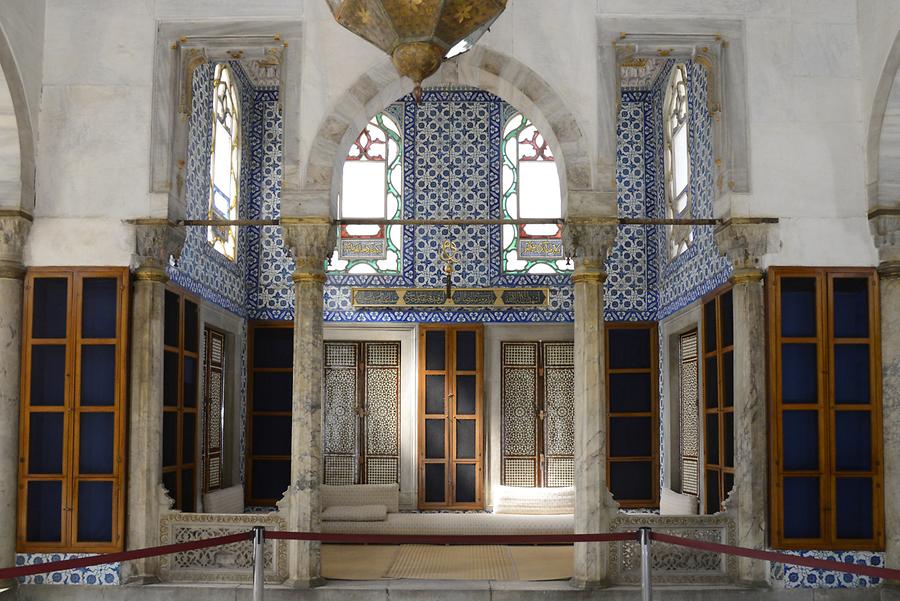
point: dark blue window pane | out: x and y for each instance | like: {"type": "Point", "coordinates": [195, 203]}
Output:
{"type": "Point", "coordinates": [272, 391]}
{"type": "Point", "coordinates": [172, 319]}
{"type": "Point", "coordinates": [188, 437]}
{"type": "Point", "coordinates": [270, 478]}
{"type": "Point", "coordinates": [711, 382]}
{"type": "Point", "coordinates": [170, 439]}
{"type": "Point", "coordinates": [435, 483]}
{"type": "Point", "coordinates": [434, 438]}
{"type": "Point", "coordinates": [713, 500]}
{"type": "Point", "coordinates": [49, 304]}
{"type": "Point", "coordinates": [798, 307]}
{"type": "Point", "coordinates": [466, 355]}
{"type": "Point", "coordinates": [854, 507]}
{"type": "Point", "coordinates": [728, 436]}
{"type": "Point", "coordinates": [631, 480]}
{"type": "Point", "coordinates": [853, 439]}
{"type": "Point", "coordinates": [99, 311]}
{"type": "Point", "coordinates": [43, 523]}
{"type": "Point", "coordinates": [851, 373]}
{"type": "Point", "coordinates": [801, 507]}
{"type": "Point", "coordinates": [630, 436]}
{"type": "Point", "coordinates": [728, 379]}
{"type": "Point", "coordinates": [272, 435]}
{"type": "Point", "coordinates": [98, 375]}
{"type": "Point", "coordinates": [799, 373]}
{"type": "Point", "coordinates": [95, 443]}
{"type": "Point", "coordinates": [48, 375]}
{"type": "Point", "coordinates": [170, 482]}
{"type": "Point", "coordinates": [273, 347]}
{"type": "Point", "coordinates": [709, 327]}
{"type": "Point", "coordinates": [726, 311]}
{"type": "Point", "coordinates": [465, 483]}
{"type": "Point", "coordinates": [712, 439]}
{"type": "Point", "coordinates": [800, 440]}
{"type": "Point", "coordinates": [190, 382]}
{"type": "Point", "coordinates": [188, 486]}
{"type": "Point", "coordinates": [434, 395]}
{"type": "Point", "coordinates": [465, 439]}
{"type": "Point", "coordinates": [629, 348]}
{"type": "Point", "coordinates": [629, 393]}
{"type": "Point", "coordinates": [45, 440]}
{"type": "Point", "coordinates": [434, 350]}
{"type": "Point", "coordinates": [170, 379]}
{"type": "Point", "coordinates": [191, 333]}
{"type": "Point", "coordinates": [466, 400]}
{"type": "Point", "coordinates": [95, 505]}
{"type": "Point", "coordinates": [851, 307]}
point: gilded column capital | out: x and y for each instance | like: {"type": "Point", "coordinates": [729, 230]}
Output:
{"type": "Point", "coordinates": [14, 228]}
{"type": "Point", "coordinates": [885, 230]}
{"type": "Point", "coordinates": [589, 243]}
{"type": "Point", "coordinates": [311, 240]}
{"type": "Point", "coordinates": [744, 243]}
{"type": "Point", "coordinates": [156, 240]}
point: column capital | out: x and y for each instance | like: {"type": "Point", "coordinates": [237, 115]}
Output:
{"type": "Point", "coordinates": [14, 228]}
{"type": "Point", "coordinates": [885, 228]}
{"type": "Point", "coordinates": [744, 242]}
{"type": "Point", "coordinates": [155, 241]}
{"type": "Point", "coordinates": [589, 241]}
{"type": "Point", "coordinates": [311, 240]}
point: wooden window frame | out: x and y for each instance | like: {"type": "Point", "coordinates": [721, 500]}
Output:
{"type": "Point", "coordinates": [449, 460]}
{"type": "Point", "coordinates": [653, 414]}
{"type": "Point", "coordinates": [179, 409]}
{"type": "Point", "coordinates": [250, 457]}
{"type": "Point", "coordinates": [696, 459]}
{"type": "Point", "coordinates": [72, 409]}
{"type": "Point", "coordinates": [826, 407]}
{"type": "Point", "coordinates": [539, 457]}
{"type": "Point", "coordinates": [208, 367]}
{"type": "Point", "coordinates": [720, 466]}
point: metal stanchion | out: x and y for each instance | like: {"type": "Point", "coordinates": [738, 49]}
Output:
{"type": "Point", "coordinates": [259, 538]}
{"type": "Point", "coordinates": [646, 584]}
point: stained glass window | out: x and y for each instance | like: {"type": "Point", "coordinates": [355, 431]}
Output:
{"type": "Point", "coordinates": [530, 191]}
{"type": "Point", "coordinates": [224, 163]}
{"type": "Point", "coordinates": [372, 188]}
{"type": "Point", "coordinates": [677, 162]}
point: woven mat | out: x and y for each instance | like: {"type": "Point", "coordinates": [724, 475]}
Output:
{"type": "Point", "coordinates": [484, 562]}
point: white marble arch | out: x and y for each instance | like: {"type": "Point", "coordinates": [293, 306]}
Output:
{"type": "Point", "coordinates": [16, 135]}
{"type": "Point", "coordinates": [481, 68]}
{"type": "Point", "coordinates": [883, 136]}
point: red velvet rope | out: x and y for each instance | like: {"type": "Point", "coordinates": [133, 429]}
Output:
{"type": "Point", "coordinates": [809, 562]}
{"type": "Point", "coordinates": [516, 539]}
{"type": "Point", "coordinates": [93, 560]}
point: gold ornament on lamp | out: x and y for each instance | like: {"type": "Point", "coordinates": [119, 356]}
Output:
{"type": "Point", "coordinates": [418, 34]}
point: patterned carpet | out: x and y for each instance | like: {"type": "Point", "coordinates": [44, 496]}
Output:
{"type": "Point", "coordinates": [433, 562]}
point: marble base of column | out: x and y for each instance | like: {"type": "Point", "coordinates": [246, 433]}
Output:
{"type": "Point", "coordinates": [889, 284]}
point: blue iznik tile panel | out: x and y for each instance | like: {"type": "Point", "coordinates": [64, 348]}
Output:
{"type": "Point", "coordinates": [452, 168]}
{"type": "Point", "coordinates": [94, 575]}
{"type": "Point", "coordinates": [790, 576]}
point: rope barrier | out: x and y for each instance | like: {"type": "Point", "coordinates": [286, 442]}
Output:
{"type": "Point", "coordinates": [514, 539]}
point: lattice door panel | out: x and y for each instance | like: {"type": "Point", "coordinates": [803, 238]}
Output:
{"type": "Point", "coordinates": [362, 412]}
{"type": "Point", "coordinates": [537, 406]}
{"type": "Point", "coordinates": [690, 414]}
{"type": "Point", "coordinates": [214, 397]}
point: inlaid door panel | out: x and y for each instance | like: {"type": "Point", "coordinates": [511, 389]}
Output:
{"type": "Point", "coordinates": [450, 417]}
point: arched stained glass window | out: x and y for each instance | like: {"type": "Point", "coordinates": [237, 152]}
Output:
{"type": "Point", "coordinates": [224, 163]}
{"type": "Point", "coordinates": [372, 188]}
{"type": "Point", "coordinates": [530, 191]}
{"type": "Point", "coordinates": [677, 161]}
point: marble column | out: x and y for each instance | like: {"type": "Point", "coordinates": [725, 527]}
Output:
{"type": "Point", "coordinates": [744, 245]}
{"type": "Point", "coordinates": [14, 227]}
{"type": "Point", "coordinates": [886, 232]}
{"type": "Point", "coordinates": [157, 240]}
{"type": "Point", "coordinates": [594, 505]}
{"type": "Point", "coordinates": [310, 240]}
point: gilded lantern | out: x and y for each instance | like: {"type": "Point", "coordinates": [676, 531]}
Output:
{"type": "Point", "coordinates": [418, 34]}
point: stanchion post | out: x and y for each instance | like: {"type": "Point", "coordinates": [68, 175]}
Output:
{"type": "Point", "coordinates": [646, 583]}
{"type": "Point", "coordinates": [259, 552]}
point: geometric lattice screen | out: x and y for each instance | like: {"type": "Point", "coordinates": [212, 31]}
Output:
{"type": "Point", "coordinates": [213, 407]}
{"type": "Point", "coordinates": [538, 414]}
{"type": "Point", "coordinates": [362, 412]}
{"type": "Point", "coordinates": [690, 414]}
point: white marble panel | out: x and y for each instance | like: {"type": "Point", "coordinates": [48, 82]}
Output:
{"type": "Point", "coordinates": [815, 241]}
{"type": "Point", "coordinates": [180, 9]}
{"type": "Point", "coordinates": [93, 153]}
{"type": "Point", "coordinates": [699, 7]}
{"type": "Point", "coordinates": [825, 50]}
{"type": "Point", "coordinates": [824, 11]}
{"type": "Point", "coordinates": [821, 100]}
{"type": "Point", "coordinates": [768, 65]}
{"type": "Point", "coordinates": [79, 241]}
{"type": "Point", "coordinates": [116, 49]}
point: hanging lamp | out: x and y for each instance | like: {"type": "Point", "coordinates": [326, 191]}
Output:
{"type": "Point", "coordinates": [418, 34]}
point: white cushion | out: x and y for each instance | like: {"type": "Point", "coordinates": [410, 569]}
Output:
{"type": "Point", "coordinates": [361, 494]}
{"type": "Point", "coordinates": [534, 501]}
{"type": "Point", "coordinates": [673, 503]}
{"type": "Point", "coordinates": [224, 500]}
{"type": "Point", "coordinates": [355, 513]}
